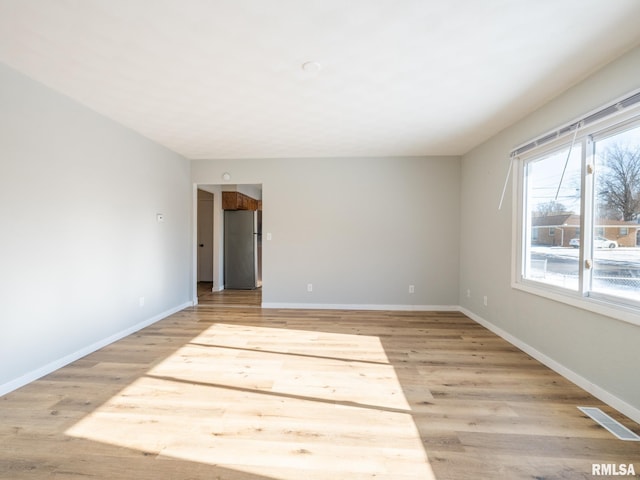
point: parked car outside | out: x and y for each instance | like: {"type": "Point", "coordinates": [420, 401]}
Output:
{"type": "Point", "coordinates": [598, 242]}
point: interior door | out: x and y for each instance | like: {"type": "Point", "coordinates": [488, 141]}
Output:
{"type": "Point", "coordinates": [205, 236]}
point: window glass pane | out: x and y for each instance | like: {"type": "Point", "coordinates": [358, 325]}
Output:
{"type": "Point", "coordinates": [616, 242]}
{"type": "Point", "coordinates": [552, 224]}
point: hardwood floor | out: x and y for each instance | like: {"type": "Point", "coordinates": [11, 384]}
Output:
{"type": "Point", "coordinates": [228, 298]}
{"type": "Point", "coordinates": [254, 394]}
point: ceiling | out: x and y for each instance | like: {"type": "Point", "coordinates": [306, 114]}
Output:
{"type": "Point", "coordinates": [224, 78]}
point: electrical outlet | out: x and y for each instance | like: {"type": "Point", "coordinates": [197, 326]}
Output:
{"type": "Point", "coordinates": [485, 301]}
{"type": "Point", "coordinates": [468, 293]}
{"type": "Point", "coordinates": [141, 301]}
{"type": "Point", "coordinates": [412, 289]}
{"type": "Point", "coordinates": [309, 287]}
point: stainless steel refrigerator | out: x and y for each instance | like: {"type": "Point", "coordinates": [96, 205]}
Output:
{"type": "Point", "coordinates": [240, 249]}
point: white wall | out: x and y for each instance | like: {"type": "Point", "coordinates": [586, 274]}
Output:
{"type": "Point", "coordinates": [80, 243]}
{"type": "Point", "coordinates": [602, 352]}
{"type": "Point", "coordinates": [360, 230]}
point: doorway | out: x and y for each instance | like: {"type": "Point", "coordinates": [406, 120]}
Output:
{"type": "Point", "coordinates": [209, 250]}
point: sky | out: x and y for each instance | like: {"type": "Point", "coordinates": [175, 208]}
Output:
{"type": "Point", "coordinates": [545, 175]}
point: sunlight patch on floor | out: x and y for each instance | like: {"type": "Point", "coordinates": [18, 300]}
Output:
{"type": "Point", "coordinates": [271, 402]}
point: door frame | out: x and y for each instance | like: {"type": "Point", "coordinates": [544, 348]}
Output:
{"type": "Point", "coordinates": [218, 234]}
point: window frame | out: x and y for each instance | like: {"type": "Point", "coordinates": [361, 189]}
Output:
{"type": "Point", "coordinates": [610, 305]}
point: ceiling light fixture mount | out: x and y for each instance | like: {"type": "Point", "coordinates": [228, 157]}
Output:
{"type": "Point", "coordinates": [311, 67]}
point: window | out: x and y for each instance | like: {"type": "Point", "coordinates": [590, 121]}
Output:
{"type": "Point", "coordinates": [549, 205]}
{"type": "Point", "coordinates": [579, 213]}
{"type": "Point", "coordinates": [616, 262]}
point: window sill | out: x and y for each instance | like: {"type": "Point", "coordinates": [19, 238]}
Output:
{"type": "Point", "coordinates": [616, 311]}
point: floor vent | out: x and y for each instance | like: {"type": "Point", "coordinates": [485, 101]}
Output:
{"type": "Point", "coordinates": [619, 430]}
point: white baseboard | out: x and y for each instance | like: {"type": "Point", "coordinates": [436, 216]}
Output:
{"type": "Point", "coordinates": [72, 357]}
{"type": "Point", "coordinates": [350, 306]}
{"type": "Point", "coordinates": [595, 390]}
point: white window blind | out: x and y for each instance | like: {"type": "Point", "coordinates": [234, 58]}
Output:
{"type": "Point", "coordinates": [587, 120]}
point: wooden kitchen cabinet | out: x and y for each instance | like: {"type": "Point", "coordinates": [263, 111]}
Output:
{"type": "Point", "coordinates": [238, 201]}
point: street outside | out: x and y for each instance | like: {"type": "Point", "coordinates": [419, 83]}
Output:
{"type": "Point", "coordinates": [616, 271]}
